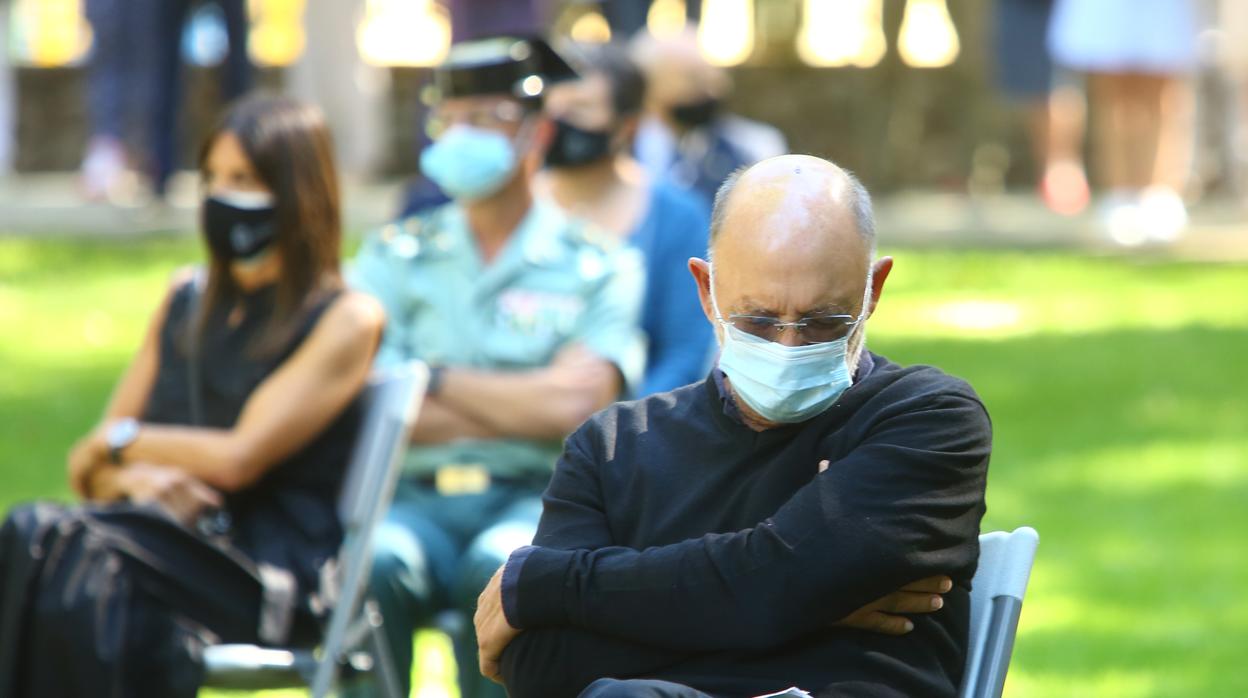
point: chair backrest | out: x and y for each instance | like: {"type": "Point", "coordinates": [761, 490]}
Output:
{"type": "Point", "coordinates": [997, 592]}
{"type": "Point", "coordinates": [391, 404]}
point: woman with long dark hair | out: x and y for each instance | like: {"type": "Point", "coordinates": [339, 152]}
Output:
{"type": "Point", "coordinates": [211, 481]}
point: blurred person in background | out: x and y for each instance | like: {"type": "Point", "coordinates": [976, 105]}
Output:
{"type": "Point", "coordinates": [590, 172]}
{"type": "Point", "coordinates": [1137, 55]}
{"type": "Point", "coordinates": [1233, 24]}
{"type": "Point", "coordinates": [1053, 109]}
{"type": "Point", "coordinates": [687, 135]}
{"type": "Point", "coordinates": [210, 484]}
{"type": "Point", "coordinates": [528, 319]}
{"type": "Point", "coordinates": [120, 75]}
{"type": "Point", "coordinates": [8, 94]}
{"type": "Point", "coordinates": [474, 19]}
{"type": "Point", "coordinates": [169, 77]}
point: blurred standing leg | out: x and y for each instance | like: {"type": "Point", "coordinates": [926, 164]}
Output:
{"type": "Point", "coordinates": [169, 78]}
{"type": "Point", "coordinates": [1115, 137]}
{"type": "Point", "coordinates": [1065, 183]}
{"type": "Point", "coordinates": [1053, 112]}
{"type": "Point", "coordinates": [107, 94]}
{"type": "Point", "coordinates": [166, 90]}
{"type": "Point", "coordinates": [237, 77]}
{"type": "Point", "coordinates": [1172, 97]}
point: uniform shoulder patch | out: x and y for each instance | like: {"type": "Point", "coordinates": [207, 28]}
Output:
{"type": "Point", "coordinates": [406, 237]}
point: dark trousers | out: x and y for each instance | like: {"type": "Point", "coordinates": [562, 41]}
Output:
{"type": "Point", "coordinates": [117, 601]}
{"type": "Point", "coordinates": [121, 65]}
{"type": "Point", "coordinates": [167, 90]}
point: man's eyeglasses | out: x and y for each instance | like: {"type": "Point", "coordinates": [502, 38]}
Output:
{"type": "Point", "coordinates": [496, 117]}
{"type": "Point", "coordinates": [812, 330]}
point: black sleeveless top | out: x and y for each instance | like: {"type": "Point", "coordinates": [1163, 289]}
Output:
{"type": "Point", "coordinates": [288, 518]}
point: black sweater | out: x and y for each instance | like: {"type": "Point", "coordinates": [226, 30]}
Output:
{"type": "Point", "coordinates": [677, 543]}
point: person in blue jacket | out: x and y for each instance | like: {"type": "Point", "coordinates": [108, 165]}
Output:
{"type": "Point", "coordinates": [590, 172]}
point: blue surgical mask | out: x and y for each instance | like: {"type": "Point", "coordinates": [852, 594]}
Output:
{"type": "Point", "coordinates": [469, 163]}
{"type": "Point", "coordinates": [781, 383]}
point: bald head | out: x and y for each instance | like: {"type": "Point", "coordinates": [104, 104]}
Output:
{"type": "Point", "coordinates": [792, 237]}
{"type": "Point", "coordinates": [815, 186]}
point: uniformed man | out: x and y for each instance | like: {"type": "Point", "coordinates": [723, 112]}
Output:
{"type": "Point", "coordinates": [529, 321]}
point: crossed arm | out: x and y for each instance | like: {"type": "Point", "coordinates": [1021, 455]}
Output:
{"type": "Point", "coordinates": [904, 505]}
{"type": "Point", "coordinates": [544, 403]}
{"type": "Point", "coordinates": [285, 412]}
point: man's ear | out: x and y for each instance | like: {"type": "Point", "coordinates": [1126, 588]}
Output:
{"type": "Point", "coordinates": [701, 271]}
{"type": "Point", "coordinates": [879, 275]}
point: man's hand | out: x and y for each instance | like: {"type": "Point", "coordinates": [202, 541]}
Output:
{"type": "Point", "coordinates": [883, 614]}
{"type": "Point", "coordinates": [494, 633]}
{"type": "Point", "coordinates": [181, 496]}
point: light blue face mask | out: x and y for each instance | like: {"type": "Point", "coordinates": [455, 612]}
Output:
{"type": "Point", "coordinates": [469, 163]}
{"type": "Point", "coordinates": [785, 384]}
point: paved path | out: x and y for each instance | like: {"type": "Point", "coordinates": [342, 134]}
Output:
{"type": "Point", "coordinates": [49, 204]}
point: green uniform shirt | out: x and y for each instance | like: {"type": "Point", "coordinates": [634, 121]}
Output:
{"type": "Point", "coordinates": [556, 281]}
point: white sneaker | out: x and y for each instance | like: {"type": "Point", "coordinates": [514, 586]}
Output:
{"type": "Point", "coordinates": [1123, 219]}
{"type": "Point", "coordinates": [1165, 216]}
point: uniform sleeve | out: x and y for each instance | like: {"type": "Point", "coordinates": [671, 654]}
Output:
{"type": "Point", "coordinates": [377, 271]}
{"type": "Point", "coordinates": [563, 661]}
{"type": "Point", "coordinates": [680, 336]}
{"type": "Point", "coordinates": [611, 323]}
{"type": "Point", "coordinates": [904, 505]}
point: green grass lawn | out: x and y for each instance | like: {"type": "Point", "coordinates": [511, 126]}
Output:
{"type": "Point", "coordinates": [1116, 388]}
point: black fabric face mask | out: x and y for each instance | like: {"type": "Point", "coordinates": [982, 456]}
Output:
{"type": "Point", "coordinates": [695, 114]}
{"type": "Point", "coordinates": [238, 228]}
{"type": "Point", "coordinates": [572, 145]}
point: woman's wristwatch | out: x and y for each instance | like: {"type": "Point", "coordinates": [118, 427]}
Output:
{"type": "Point", "coordinates": [120, 435]}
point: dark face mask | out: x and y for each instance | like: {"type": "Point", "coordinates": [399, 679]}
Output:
{"type": "Point", "coordinates": [238, 227]}
{"type": "Point", "coordinates": [572, 145]}
{"type": "Point", "coordinates": [695, 114]}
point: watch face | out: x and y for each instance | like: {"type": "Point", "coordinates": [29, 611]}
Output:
{"type": "Point", "coordinates": [122, 433]}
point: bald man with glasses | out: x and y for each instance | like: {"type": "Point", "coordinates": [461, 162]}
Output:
{"type": "Point", "coordinates": [807, 516]}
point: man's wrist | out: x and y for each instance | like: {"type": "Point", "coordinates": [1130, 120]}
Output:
{"type": "Point", "coordinates": [433, 387]}
{"type": "Point", "coordinates": [511, 584]}
{"type": "Point", "coordinates": [540, 593]}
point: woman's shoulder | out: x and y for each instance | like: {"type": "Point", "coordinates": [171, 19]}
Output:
{"type": "Point", "coordinates": [353, 314]}
{"type": "Point", "coordinates": [179, 293]}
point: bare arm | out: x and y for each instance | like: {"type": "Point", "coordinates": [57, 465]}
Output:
{"type": "Point", "coordinates": [129, 399]}
{"type": "Point", "coordinates": [547, 403]}
{"type": "Point", "coordinates": [285, 412]}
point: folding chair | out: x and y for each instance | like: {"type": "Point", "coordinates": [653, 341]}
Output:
{"type": "Point", "coordinates": [391, 403]}
{"type": "Point", "coordinates": [997, 591]}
